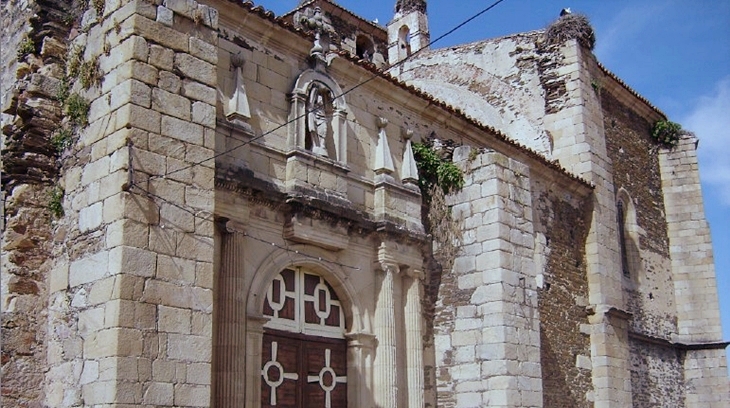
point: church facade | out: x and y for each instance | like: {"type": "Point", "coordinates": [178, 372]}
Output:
{"type": "Point", "coordinates": [206, 204]}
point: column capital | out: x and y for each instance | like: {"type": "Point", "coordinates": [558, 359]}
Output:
{"type": "Point", "coordinates": [387, 267]}
{"type": "Point", "coordinates": [228, 226]}
{"type": "Point", "coordinates": [361, 340]}
{"type": "Point", "coordinates": [414, 273]}
{"type": "Point", "coordinates": [255, 323]}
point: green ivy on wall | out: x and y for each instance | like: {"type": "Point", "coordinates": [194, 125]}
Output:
{"type": "Point", "coordinates": [435, 171]}
{"type": "Point", "coordinates": [666, 132]}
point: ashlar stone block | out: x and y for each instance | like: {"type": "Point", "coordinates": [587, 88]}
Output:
{"type": "Point", "coordinates": [161, 57]}
{"type": "Point", "coordinates": [156, 32]}
{"type": "Point", "coordinates": [203, 50]}
{"type": "Point", "coordinates": [174, 320]}
{"type": "Point", "coordinates": [182, 130]}
{"type": "Point", "coordinates": [179, 346]}
{"type": "Point", "coordinates": [133, 48]}
{"type": "Point", "coordinates": [139, 117]}
{"type": "Point", "coordinates": [196, 91]}
{"type": "Point", "coordinates": [192, 396]}
{"type": "Point", "coordinates": [204, 114]}
{"type": "Point", "coordinates": [89, 269]}
{"type": "Point", "coordinates": [133, 261]}
{"type": "Point", "coordinates": [169, 82]}
{"type": "Point", "coordinates": [196, 69]}
{"type": "Point", "coordinates": [170, 104]}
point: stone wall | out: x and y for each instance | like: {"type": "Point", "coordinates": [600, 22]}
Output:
{"type": "Point", "coordinates": [131, 284]}
{"type": "Point", "coordinates": [693, 272]}
{"type": "Point", "coordinates": [657, 375]}
{"type": "Point", "coordinates": [33, 54]}
{"type": "Point", "coordinates": [498, 82]}
{"type": "Point", "coordinates": [490, 354]}
{"type": "Point", "coordinates": [649, 288]}
{"type": "Point", "coordinates": [560, 234]}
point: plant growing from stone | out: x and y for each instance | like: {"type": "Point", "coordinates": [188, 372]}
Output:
{"type": "Point", "coordinates": [62, 138]}
{"type": "Point", "coordinates": [437, 178]}
{"type": "Point", "coordinates": [98, 6]}
{"type": "Point", "coordinates": [666, 132]}
{"type": "Point", "coordinates": [26, 47]}
{"type": "Point", "coordinates": [76, 109]}
{"type": "Point", "coordinates": [55, 202]}
{"type": "Point", "coordinates": [433, 170]}
{"type": "Point", "coordinates": [89, 74]}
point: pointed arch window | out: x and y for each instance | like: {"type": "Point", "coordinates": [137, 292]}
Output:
{"type": "Point", "coordinates": [623, 247]}
{"type": "Point", "coordinates": [628, 232]}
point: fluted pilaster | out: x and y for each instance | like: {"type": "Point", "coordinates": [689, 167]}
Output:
{"type": "Point", "coordinates": [386, 376]}
{"type": "Point", "coordinates": [230, 342]}
{"type": "Point", "coordinates": [414, 339]}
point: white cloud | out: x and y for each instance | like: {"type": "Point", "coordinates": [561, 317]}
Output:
{"type": "Point", "coordinates": [710, 121]}
{"type": "Point", "coordinates": [625, 27]}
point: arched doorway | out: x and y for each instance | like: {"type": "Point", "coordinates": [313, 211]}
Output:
{"type": "Point", "coordinates": [304, 351]}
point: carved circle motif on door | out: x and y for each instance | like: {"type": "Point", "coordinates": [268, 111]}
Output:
{"type": "Point", "coordinates": [304, 351]}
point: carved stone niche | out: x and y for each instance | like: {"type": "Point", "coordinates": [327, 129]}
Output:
{"type": "Point", "coordinates": [317, 135]}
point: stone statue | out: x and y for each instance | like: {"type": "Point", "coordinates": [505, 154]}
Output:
{"type": "Point", "coordinates": [318, 109]}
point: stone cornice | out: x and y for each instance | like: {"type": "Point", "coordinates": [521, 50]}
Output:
{"type": "Point", "coordinates": [720, 345]}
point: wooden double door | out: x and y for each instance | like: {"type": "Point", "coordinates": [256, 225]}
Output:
{"type": "Point", "coordinates": [300, 371]}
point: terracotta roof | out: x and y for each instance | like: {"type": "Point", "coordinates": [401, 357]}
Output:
{"type": "Point", "coordinates": [628, 88]}
{"type": "Point", "coordinates": [248, 5]}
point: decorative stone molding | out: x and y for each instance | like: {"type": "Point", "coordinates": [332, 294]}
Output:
{"type": "Point", "coordinates": [315, 20]}
{"type": "Point", "coordinates": [311, 231]}
{"type": "Point", "coordinates": [237, 108]}
{"type": "Point", "coordinates": [409, 169]}
{"type": "Point", "coordinates": [383, 160]}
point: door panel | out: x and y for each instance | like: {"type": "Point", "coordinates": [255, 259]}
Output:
{"type": "Point", "coordinates": [303, 371]}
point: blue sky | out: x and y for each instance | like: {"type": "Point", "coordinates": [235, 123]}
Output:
{"type": "Point", "coordinates": [676, 53]}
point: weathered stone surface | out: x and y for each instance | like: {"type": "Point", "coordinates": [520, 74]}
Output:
{"type": "Point", "coordinates": [196, 69]}
{"type": "Point", "coordinates": [170, 104]}
{"type": "Point", "coordinates": [175, 215]}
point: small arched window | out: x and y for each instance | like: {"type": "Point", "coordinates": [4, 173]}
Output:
{"type": "Point", "coordinates": [404, 41]}
{"type": "Point", "coordinates": [364, 48]}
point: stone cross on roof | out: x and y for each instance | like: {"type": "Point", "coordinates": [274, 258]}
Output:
{"type": "Point", "coordinates": [316, 21]}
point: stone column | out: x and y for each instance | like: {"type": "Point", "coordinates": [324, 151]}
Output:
{"type": "Point", "coordinates": [360, 348]}
{"type": "Point", "coordinates": [339, 125]}
{"type": "Point", "coordinates": [414, 339]}
{"type": "Point", "coordinates": [254, 342]}
{"type": "Point", "coordinates": [230, 346]}
{"type": "Point", "coordinates": [386, 376]}
{"type": "Point", "coordinates": [297, 119]}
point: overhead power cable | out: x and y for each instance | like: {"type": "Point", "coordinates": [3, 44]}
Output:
{"type": "Point", "coordinates": [208, 217]}
{"type": "Point", "coordinates": [371, 78]}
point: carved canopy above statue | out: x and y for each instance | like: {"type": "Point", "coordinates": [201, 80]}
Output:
{"type": "Point", "coordinates": [318, 116]}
